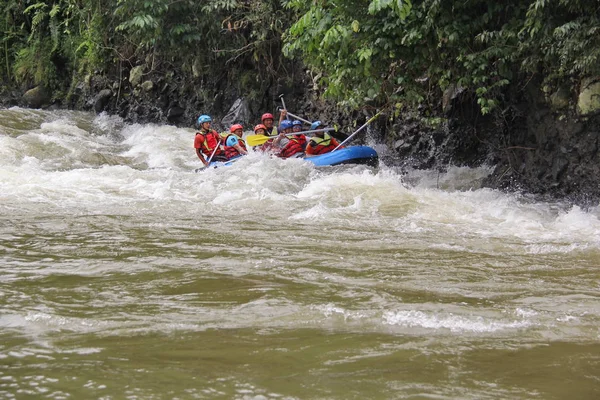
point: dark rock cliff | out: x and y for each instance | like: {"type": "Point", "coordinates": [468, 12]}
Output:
{"type": "Point", "coordinates": [544, 142]}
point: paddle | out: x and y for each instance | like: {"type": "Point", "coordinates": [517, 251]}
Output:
{"type": "Point", "coordinates": [282, 101]}
{"type": "Point", "coordinates": [212, 154]}
{"type": "Point", "coordinates": [298, 118]}
{"type": "Point", "coordinates": [257, 140]}
{"type": "Point", "coordinates": [358, 130]}
{"type": "Point", "coordinates": [290, 114]}
{"type": "Point", "coordinates": [295, 116]}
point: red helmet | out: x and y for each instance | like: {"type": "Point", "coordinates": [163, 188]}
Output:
{"type": "Point", "coordinates": [259, 126]}
{"type": "Point", "coordinates": [267, 116]}
{"type": "Point", "coordinates": [235, 128]}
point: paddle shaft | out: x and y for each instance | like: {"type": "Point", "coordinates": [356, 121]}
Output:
{"type": "Point", "coordinates": [358, 130]}
{"type": "Point", "coordinates": [282, 102]}
{"type": "Point", "coordinates": [213, 153]}
{"type": "Point", "coordinates": [297, 117]}
{"type": "Point", "coordinates": [255, 140]}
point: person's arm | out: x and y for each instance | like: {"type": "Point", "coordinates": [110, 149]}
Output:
{"type": "Point", "coordinates": [308, 152]}
{"type": "Point", "coordinates": [278, 138]}
{"type": "Point", "coordinates": [240, 149]}
{"type": "Point", "coordinates": [198, 140]}
{"type": "Point", "coordinates": [282, 115]}
{"type": "Point", "coordinates": [233, 141]}
{"type": "Point", "coordinates": [201, 157]}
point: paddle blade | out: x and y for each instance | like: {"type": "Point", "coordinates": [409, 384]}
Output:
{"type": "Point", "coordinates": [257, 140]}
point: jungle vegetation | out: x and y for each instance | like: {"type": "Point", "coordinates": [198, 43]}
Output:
{"type": "Point", "coordinates": [380, 51]}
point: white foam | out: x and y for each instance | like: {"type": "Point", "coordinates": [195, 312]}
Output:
{"type": "Point", "coordinates": [454, 323]}
{"type": "Point", "coordinates": [62, 164]}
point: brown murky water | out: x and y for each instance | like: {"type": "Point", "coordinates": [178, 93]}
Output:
{"type": "Point", "coordinates": [123, 274]}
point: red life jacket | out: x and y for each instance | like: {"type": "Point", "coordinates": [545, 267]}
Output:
{"type": "Point", "coordinates": [265, 147]}
{"type": "Point", "coordinates": [268, 145]}
{"type": "Point", "coordinates": [322, 145]}
{"type": "Point", "coordinates": [207, 142]}
{"type": "Point", "coordinates": [230, 151]}
{"type": "Point", "coordinates": [294, 146]}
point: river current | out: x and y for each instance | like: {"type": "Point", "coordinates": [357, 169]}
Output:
{"type": "Point", "coordinates": [126, 275]}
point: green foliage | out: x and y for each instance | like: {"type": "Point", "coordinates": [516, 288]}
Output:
{"type": "Point", "coordinates": [48, 39]}
{"type": "Point", "coordinates": [401, 51]}
{"type": "Point", "coordinates": [143, 20]}
{"type": "Point", "coordinates": [380, 51]}
{"type": "Point", "coordinates": [33, 64]}
{"type": "Point", "coordinates": [46, 36]}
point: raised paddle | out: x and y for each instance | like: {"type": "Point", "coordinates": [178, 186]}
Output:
{"type": "Point", "coordinates": [257, 140]}
{"type": "Point", "coordinates": [282, 101]}
{"type": "Point", "coordinates": [297, 117]}
{"type": "Point", "coordinates": [358, 130]}
{"type": "Point", "coordinates": [290, 114]}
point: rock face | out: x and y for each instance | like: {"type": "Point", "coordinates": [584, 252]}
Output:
{"type": "Point", "coordinates": [557, 157]}
{"type": "Point", "coordinates": [238, 113]}
{"type": "Point", "coordinates": [135, 75]}
{"type": "Point", "coordinates": [588, 102]}
{"type": "Point", "coordinates": [553, 153]}
{"type": "Point", "coordinates": [37, 97]}
{"type": "Point", "coordinates": [539, 145]}
{"type": "Point", "coordinates": [102, 100]}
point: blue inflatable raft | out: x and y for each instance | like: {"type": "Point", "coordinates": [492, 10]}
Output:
{"type": "Point", "coordinates": [348, 155]}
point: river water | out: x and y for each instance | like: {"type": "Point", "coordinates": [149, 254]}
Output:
{"type": "Point", "coordinates": [125, 275]}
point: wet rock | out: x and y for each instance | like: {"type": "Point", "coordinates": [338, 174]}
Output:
{"type": "Point", "coordinates": [560, 99]}
{"type": "Point", "coordinates": [102, 100]}
{"type": "Point", "coordinates": [135, 75]}
{"type": "Point", "coordinates": [451, 93]}
{"type": "Point", "coordinates": [174, 113]}
{"type": "Point", "coordinates": [559, 167]}
{"type": "Point", "coordinates": [588, 102]}
{"type": "Point", "coordinates": [147, 86]}
{"type": "Point", "coordinates": [238, 113]}
{"type": "Point", "coordinates": [37, 97]}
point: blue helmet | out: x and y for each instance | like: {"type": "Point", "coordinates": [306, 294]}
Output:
{"type": "Point", "coordinates": [204, 118]}
{"type": "Point", "coordinates": [285, 124]}
{"type": "Point", "coordinates": [315, 125]}
{"type": "Point", "coordinates": [296, 122]}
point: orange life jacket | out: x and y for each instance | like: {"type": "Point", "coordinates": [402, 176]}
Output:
{"type": "Point", "coordinates": [322, 145]}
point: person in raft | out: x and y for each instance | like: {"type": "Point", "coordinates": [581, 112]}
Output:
{"type": "Point", "coordinates": [290, 146]}
{"type": "Point", "coordinates": [207, 141]}
{"type": "Point", "coordinates": [297, 126]}
{"type": "Point", "coordinates": [234, 145]}
{"type": "Point", "coordinates": [260, 129]}
{"type": "Point", "coordinates": [268, 121]}
{"type": "Point", "coordinates": [321, 142]}
{"type": "Point", "coordinates": [269, 130]}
